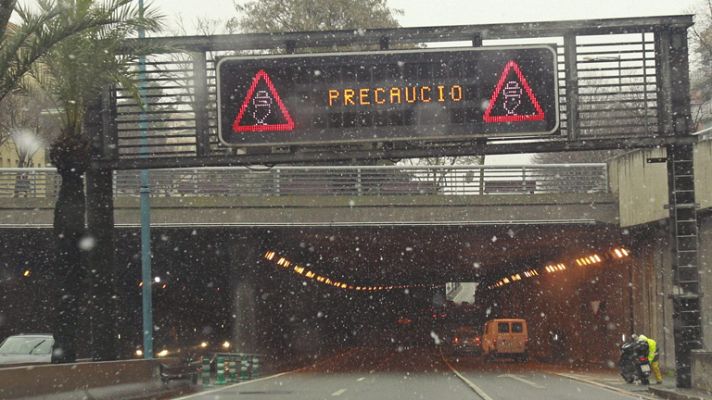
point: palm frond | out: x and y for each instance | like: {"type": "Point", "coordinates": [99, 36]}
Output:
{"type": "Point", "coordinates": [56, 22]}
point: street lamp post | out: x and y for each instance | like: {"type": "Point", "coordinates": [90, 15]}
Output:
{"type": "Point", "coordinates": [145, 191]}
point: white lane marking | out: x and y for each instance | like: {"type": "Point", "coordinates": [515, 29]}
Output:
{"type": "Point", "coordinates": [360, 379]}
{"type": "Point", "coordinates": [192, 396]}
{"type": "Point", "coordinates": [525, 381]}
{"type": "Point", "coordinates": [339, 392]}
{"type": "Point", "coordinates": [469, 383]}
{"type": "Point", "coordinates": [579, 378]}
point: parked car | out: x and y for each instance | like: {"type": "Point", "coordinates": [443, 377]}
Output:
{"type": "Point", "coordinates": [26, 348]}
{"type": "Point", "coordinates": [506, 337]}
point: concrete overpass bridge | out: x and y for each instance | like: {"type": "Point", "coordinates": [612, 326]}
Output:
{"type": "Point", "coordinates": [417, 227]}
{"type": "Point", "coordinates": [336, 196]}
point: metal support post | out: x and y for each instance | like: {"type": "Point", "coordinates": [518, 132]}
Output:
{"type": "Point", "coordinates": [477, 40]}
{"type": "Point", "coordinates": [674, 117]}
{"type": "Point", "coordinates": [200, 104]}
{"type": "Point", "coordinates": [359, 184]}
{"type": "Point", "coordinates": [687, 317]}
{"type": "Point", "coordinates": [384, 43]}
{"type": "Point", "coordinates": [147, 293]}
{"type": "Point", "coordinates": [572, 100]}
{"type": "Point", "coordinates": [481, 185]}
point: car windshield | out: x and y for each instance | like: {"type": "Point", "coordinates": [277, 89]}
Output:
{"type": "Point", "coordinates": [25, 345]}
{"type": "Point", "coordinates": [364, 199]}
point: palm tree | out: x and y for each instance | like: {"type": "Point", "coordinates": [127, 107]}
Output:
{"type": "Point", "coordinates": [74, 73]}
{"type": "Point", "coordinates": [39, 30]}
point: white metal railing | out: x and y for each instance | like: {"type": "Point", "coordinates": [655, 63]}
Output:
{"type": "Point", "coordinates": [332, 180]}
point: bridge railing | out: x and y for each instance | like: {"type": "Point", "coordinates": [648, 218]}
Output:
{"type": "Point", "coordinates": [332, 181]}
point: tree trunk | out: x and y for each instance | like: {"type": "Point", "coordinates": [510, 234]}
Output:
{"type": "Point", "coordinates": [70, 155]}
{"type": "Point", "coordinates": [6, 9]}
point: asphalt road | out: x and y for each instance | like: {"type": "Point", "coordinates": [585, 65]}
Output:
{"type": "Point", "coordinates": [413, 374]}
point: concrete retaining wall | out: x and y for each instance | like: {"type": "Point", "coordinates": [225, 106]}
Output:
{"type": "Point", "coordinates": [705, 270]}
{"type": "Point", "coordinates": [651, 282]}
{"type": "Point", "coordinates": [702, 370]}
{"type": "Point", "coordinates": [92, 380]}
{"type": "Point", "coordinates": [641, 187]}
{"type": "Point", "coordinates": [703, 174]}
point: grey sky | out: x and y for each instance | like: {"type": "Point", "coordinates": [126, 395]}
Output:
{"type": "Point", "coordinates": [454, 12]}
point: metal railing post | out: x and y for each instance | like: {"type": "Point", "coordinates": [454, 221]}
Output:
{"type": "Point", "coordinates": [276, 176]}
{"type": "Point", "coordinates": [359, 191]}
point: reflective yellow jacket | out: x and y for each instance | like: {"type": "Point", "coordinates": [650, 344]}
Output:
{"type": "Point", "coordinates": [652, 347]}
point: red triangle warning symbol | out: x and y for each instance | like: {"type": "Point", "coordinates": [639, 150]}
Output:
{"type": "Point", "coordinates": [263, 109]}
{"type": "Point", "coordinates": [513, 99]}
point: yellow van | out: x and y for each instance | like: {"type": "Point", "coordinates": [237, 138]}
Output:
{"type": "Point", "coordinates": [507, 337]}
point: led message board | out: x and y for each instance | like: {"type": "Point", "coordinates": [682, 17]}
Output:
{"type": "Point", "coordinates": [420, 94]}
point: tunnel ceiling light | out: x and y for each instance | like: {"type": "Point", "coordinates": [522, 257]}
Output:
{"type": "Point", "coordinates": [616, 252]}
{"type": "Point", "coordinates": [285, 263]}
{"type": "Point", "coordinates": [620, 252]}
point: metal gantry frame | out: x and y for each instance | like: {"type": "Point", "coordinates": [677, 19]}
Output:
{"type": "Point", "coordinates": [649, 108]}
{"type": "Point", "coordinates": [183, 118]}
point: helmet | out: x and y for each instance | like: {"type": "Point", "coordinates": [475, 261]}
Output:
{"type": "Point", "coordinates": [642, 338]}
{"type": "Point", "coordinates": [634, 337]}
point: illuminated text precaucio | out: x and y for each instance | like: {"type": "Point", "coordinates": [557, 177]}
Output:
{"type": "Point", "coordinates": [375, 96]}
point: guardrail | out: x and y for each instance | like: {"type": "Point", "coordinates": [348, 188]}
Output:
{"type": "Point", "coordinates": [332, 181]}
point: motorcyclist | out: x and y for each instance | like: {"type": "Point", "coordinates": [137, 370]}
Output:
{"type": "Point", "coordinates": [653, 357]}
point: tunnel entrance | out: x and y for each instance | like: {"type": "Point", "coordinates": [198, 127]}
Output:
{"type": "Point", "coordinates": [216, 285]}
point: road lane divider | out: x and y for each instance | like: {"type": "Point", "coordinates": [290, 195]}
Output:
{"type": "Point", "coordinates": [466, 381]}
{"type": "Point", "coordinates": [582, 379]}
{"type": "Point", "coordinates": [223, 388]}
{"type": "Point", "coordinates": [339, 392]}
{"type": "Point", "coordinates": [522, 380]}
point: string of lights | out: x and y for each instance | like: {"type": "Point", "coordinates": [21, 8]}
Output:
{"type": "Point", "coordinates": [284, 263]}
{"type": "Point", "coordinates": [616, 253]}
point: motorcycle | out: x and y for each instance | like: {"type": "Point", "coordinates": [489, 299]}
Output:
{"type": "Point", "coordinates": [634, 364]}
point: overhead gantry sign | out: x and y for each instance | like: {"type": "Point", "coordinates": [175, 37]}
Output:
{"type": "Point", "coordinates": [449, 94]}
